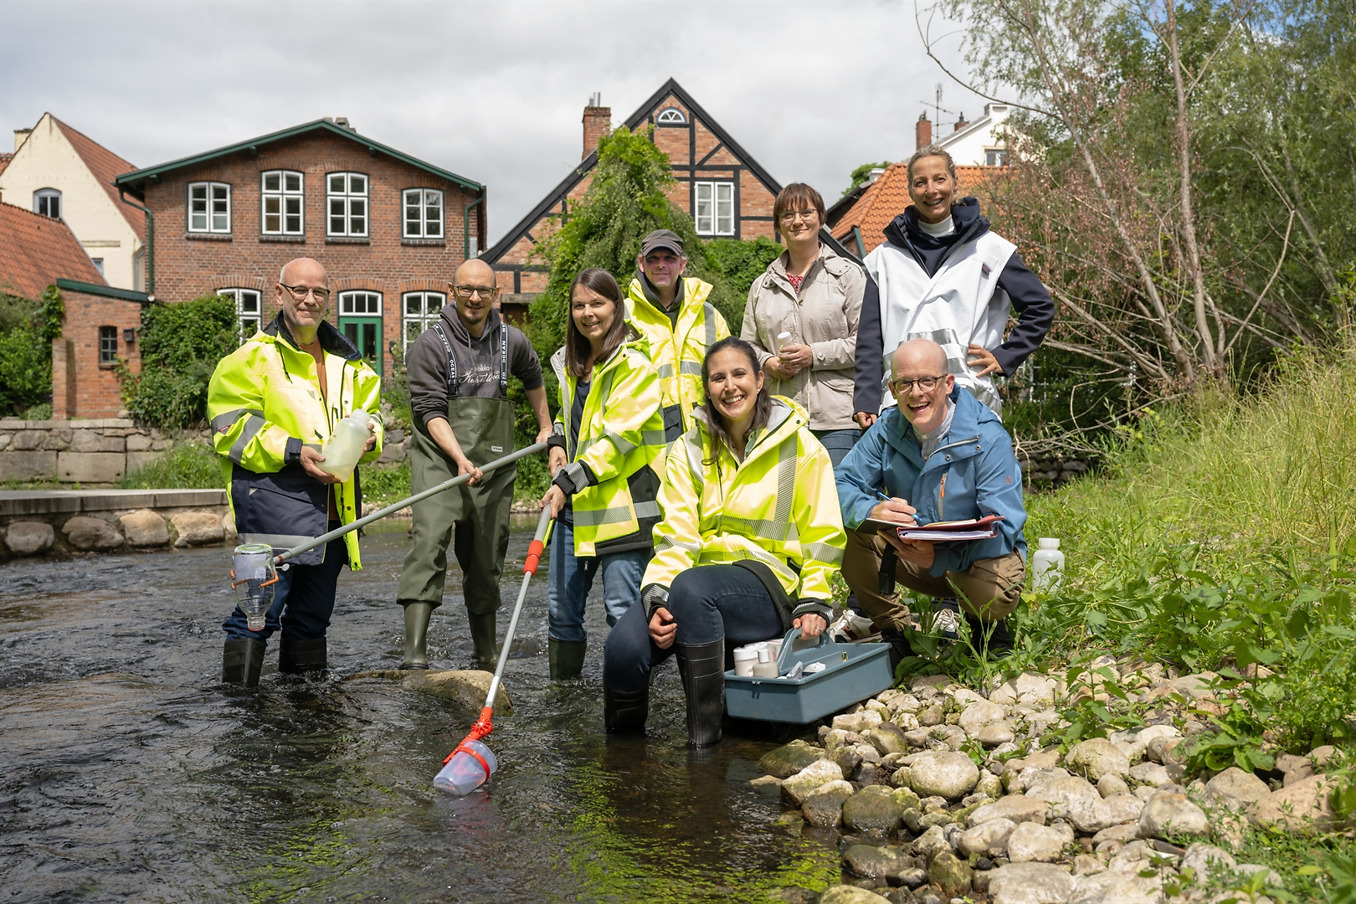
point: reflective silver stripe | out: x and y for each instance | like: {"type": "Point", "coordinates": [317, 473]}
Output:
{"type": "Point", "coordinates": [649, 509]}
{"type": "Point", "coordinates": [777, 565]}
{"type": "Point", "coordinates": [576, 474]}
{"type": "Point", "coordinates": [759, 528]}
{"type": "Point", "coordinates": [653, 438]}
{"type": "Point", "coordinates": [277, 541]}
{"type": "Point", "coordinates": [620, 443]}
{"type": "Point", "coordinates": [664, 541]}
{"type": "Point", "coordinates": [823, 552]}
{"type": "Point", "coordinates": [616, 515]}
{"type": "Point", "coordinates": [665, 371]}
{"type": "Point", "coordinates": [691, 368]}
{"type": "Point", "coordinates": [710, 314]}
{"type": "Point", "coordinates": [786, 480]}
{"type": "Point", "coordinates": [694, 462]}
{"type": "Point", "coordinates": [253, 424]}
{"type": "Point", "coordinates": [223, 421]}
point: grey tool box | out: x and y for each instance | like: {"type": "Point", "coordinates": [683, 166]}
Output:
{"type": "Point", "coordinates": [852, 672]}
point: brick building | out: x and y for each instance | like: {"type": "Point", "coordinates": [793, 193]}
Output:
{"type": "Point", "coordinates": [388, 228]}
{"type": "Point", "coordinates": [99, 327]}
{"type": "Point", "coordinates": [726, 191]}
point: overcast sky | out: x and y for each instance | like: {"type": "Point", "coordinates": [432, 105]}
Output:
{"type": "Point", "coordinates": [490, 91]}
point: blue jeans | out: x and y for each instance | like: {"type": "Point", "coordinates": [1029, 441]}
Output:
{"type": "Point", "coordinates": [303, 600]}
{"type": "Point", "coordinates": [838, 443]}
{"type": "Point", "coordinates": [572, 578]}
{"type": "Point", "coordinates": [707, 603]}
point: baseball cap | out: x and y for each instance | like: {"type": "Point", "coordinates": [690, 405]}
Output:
{"type": "Point", "coordinates": [662, 238]}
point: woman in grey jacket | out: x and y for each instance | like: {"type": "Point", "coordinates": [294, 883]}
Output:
{"type": "Point", "coordinates": [801, 319]}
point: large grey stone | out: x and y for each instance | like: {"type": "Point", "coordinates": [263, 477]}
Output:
{"type": "Point", "coordinates": [1170, 813]}
{"type": "Point", "coordinates": [823, 806]}
{"type": "Point", "coordinates": [27, 465]}
{"type": "Point", "coordinates": [197, 528]}
{"type": "Point", "coordinates": [96, 441]}
{"type": "Point", "coordinates": [1095, 758]}
{"type": "Point", "coordinates": [90, 467]}
{"type": "Point", "coordinates": [850, 894]}
{"type": "Point", "coordinates": [951, 874]}
{"type": "Point", "coordinates": [1069, 796]}
{"type": "Point", "coordinates": [144, 528]}
{"type": "Point", "coordinates": [468, 687]}
{"type": "Point", "coordinates": [1014, 807]}
{"type": "Point", "coordinates": [1117, 887]}
{"type": "Point", "coordinates": [978, 713]}
{"type": "Point", "coordinates": [815, 775]}
{"type": "Point", "coordinates": [872, 862]}
{"type": "Point", "coordinates": [1032, 842]}
{"type": "Point", "coordinates": [1030, 883]}
{"type": "Point", "coordinates": [873, 809]}
{"type": "Point", "coordinates": [987, 839]}
{"type": "Point", "coordinates": [1235, 789]}
{"type": "Point", "coordinates": [945, 773]}
{"type": "Point", "coordinates": [858, 722]}
{"type": "Point", "coordinates": [887, 737]}
{"type": "Point", "coordinates": [86, 533]}
{"type": "Point", "coordinates": [787, 760]}
{"type": "Point", "coordinates": [29, 538]}
{"type": "Point", "coordinates": [1302, 807]}
{"type": "Point", "coordinates": [1204, 859]}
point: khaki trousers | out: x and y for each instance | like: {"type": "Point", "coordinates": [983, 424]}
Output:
{"type": "Point", "coordinates": [990, 590]}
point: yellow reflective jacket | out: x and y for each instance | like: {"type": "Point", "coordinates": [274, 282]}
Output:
{"type": "Point", "coordinates": [264, 403]}
{"type": "Point", "coordinates": [778, 507]}
{"type": "Point", "coordinates": [613, 473]}
{"type": "Point", "coordinates": [677, 350]}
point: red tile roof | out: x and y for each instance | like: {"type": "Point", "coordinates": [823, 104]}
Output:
{"type": "Point", "coordinates": [888, 197]}
{"type": "Point", "coordinates": [36, 251]}
{"type": "Point", "coordinates": [4, 161]}
{"type": "Point", "coordinates": [106, 166]}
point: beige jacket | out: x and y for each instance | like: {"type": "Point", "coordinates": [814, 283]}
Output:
{"type": "Point", "coordinates": [823, 316]}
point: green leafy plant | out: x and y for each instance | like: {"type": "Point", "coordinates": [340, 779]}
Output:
{"type": "Point", "coordinates": [180, 346]}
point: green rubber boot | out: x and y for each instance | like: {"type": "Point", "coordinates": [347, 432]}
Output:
{"type": "Point", "coordinates": [566, 658]}
{"type": "Point", "coordinates": [301, 654]}
{"type": "Point", "coordinates": [625, 712]}
{"type": "Point", "coordinates": [482, 637]}
{"type": "Point", "coordinates": [416, 635]}
{"type": "Point", "coordinates": [241, 662]}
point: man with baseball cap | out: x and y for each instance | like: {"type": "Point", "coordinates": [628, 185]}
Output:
{"type": "Point", "coordinates": [679, 324]}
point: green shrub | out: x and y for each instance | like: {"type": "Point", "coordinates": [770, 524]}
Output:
{"type": "Point", "coordinates": [190, 464]}
{"type": "Point", "coordinates": [742, 261]}
{"type": "Point", "coordinates": [180, 347]}
{"type": "Point", "coordinates": [27, 329]}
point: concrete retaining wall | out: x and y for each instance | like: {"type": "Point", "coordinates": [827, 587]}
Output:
{"type": "Point", "coordinates": [38, 522]}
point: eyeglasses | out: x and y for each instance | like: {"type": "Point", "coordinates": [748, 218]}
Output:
{"type": "Point", "coordinates": [790, 216]}
{"type": "Point", "coordinates": [473, 291]}
{"type": "Point", "coordinates": [926, 384]}
{"type": "Point", "coordinates": [300, 292]}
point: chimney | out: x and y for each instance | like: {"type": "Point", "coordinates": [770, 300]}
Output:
{"type": "Point", "coordinates": [20, 136]}
{"type": "Point", "coordinates": [960, 123]}
{"type": "Point", "coordinates": [923, 131]}
{"type": "Point", "coordinates": [597, 123]}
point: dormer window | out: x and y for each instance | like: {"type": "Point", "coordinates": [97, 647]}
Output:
{"type": "Point", "coordinates": [671, 116]}
{"type": "Point", "coordinates": [47, 203]}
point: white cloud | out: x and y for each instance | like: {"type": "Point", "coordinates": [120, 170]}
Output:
{"type": "Point", "coordinates": [491, 91]}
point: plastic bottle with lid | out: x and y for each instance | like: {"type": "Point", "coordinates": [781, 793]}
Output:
{"type": "Point", "coordinates": [1047, 565]}
{"type": "Point", "coordinates": [345, 445]}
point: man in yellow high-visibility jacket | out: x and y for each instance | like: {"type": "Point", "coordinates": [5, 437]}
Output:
{"type": "Point", "coordinates": [273, 403]}
{"type": "Point", "coordinates": [673, 314]}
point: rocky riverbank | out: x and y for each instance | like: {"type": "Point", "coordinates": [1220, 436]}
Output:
{"type": "Point", "coordinates": [938, 792]}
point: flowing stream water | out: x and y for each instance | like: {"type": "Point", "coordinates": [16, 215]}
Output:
{"type": "Point", "coordinates": [128, 772]}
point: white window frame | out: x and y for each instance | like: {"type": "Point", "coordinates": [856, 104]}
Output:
{"type": "Point", "coordinates": [347, 204]}
{"type": "Point", "coordinates": [671, 116]}
{"type": "Point", "coordinates": [43, 198]}
{"type": "Point", "coordinates": [995, 156]}
{"type": "Point", "coordinates": [348, 297]}
{"type": "Point", "coordinates": [414, 321]}
{"type": "Point", "coordinates": [214, 215]}
{"type": "Point", "coordinates": [244, 316]}
{"type": "Point", "coordinates": [713, 221]}
{"type": "Point", "coordinates": [424, 225]}
{"type": "Point", "coordinates": [288, 202]}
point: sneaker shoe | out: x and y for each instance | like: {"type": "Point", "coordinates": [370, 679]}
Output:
{"type": "Point", "coordinates": [853, 628]}
{"type": "Point", "coordinates": [946, 620]}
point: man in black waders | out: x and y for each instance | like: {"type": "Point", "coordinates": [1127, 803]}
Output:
{"type": "Point", "coordinates": [458, 373]}
{"type": "Point", "coordinates": [273, 402]}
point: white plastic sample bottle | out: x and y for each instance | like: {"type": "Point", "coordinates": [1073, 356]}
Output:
{"type": "Point", "coordinates": [1047, 565]}
{"type": "Point", "coordinates": [345, 445]}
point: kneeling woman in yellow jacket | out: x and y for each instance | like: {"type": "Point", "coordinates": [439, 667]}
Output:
{"type": "Point", "coordinates": [605, 457]}
{"type": "Point", "coordinates": [750, 533]}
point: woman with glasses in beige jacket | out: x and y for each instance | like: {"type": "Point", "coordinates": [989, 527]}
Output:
{"type": "Point", "coordinates": [801, 319]}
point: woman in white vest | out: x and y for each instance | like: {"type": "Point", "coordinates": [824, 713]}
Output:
{"type": "Point", "coordinates": [942, 275]}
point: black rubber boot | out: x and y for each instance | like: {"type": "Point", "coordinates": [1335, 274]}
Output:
{"type": "Point", "coordinates": [702, 666]}
{"type": "Point", "coordinates": [306, 654]}
{"type": "Point", "coordinates": [482, 637]}
{"type": "Point", "coordinates": [241, 662]}
{"type": "Point", "coordinates": [624, 711]}
{"type": "Point", "coordinates": [566, 658]}
{"type": "Point", "coordinates": [416, 635]}
{"type": "Point", "coordinates": [991, 638]}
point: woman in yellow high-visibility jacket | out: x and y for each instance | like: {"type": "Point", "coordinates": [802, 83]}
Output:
{"type": "Point", "coordinates": [750, 533]}
{"type": "Point", "coordinates": [605, 458]}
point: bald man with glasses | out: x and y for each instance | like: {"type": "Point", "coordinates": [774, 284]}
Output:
{"type": "Point", "coordinates": [459, 373]}
{"type": "Point", "coordinates": [938, 455]}
{"type": "Point", "coordinates": [273, 403]}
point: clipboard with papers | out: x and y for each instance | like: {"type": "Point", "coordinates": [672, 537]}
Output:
{"type": "Point", "coordinates": [940, 531]}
